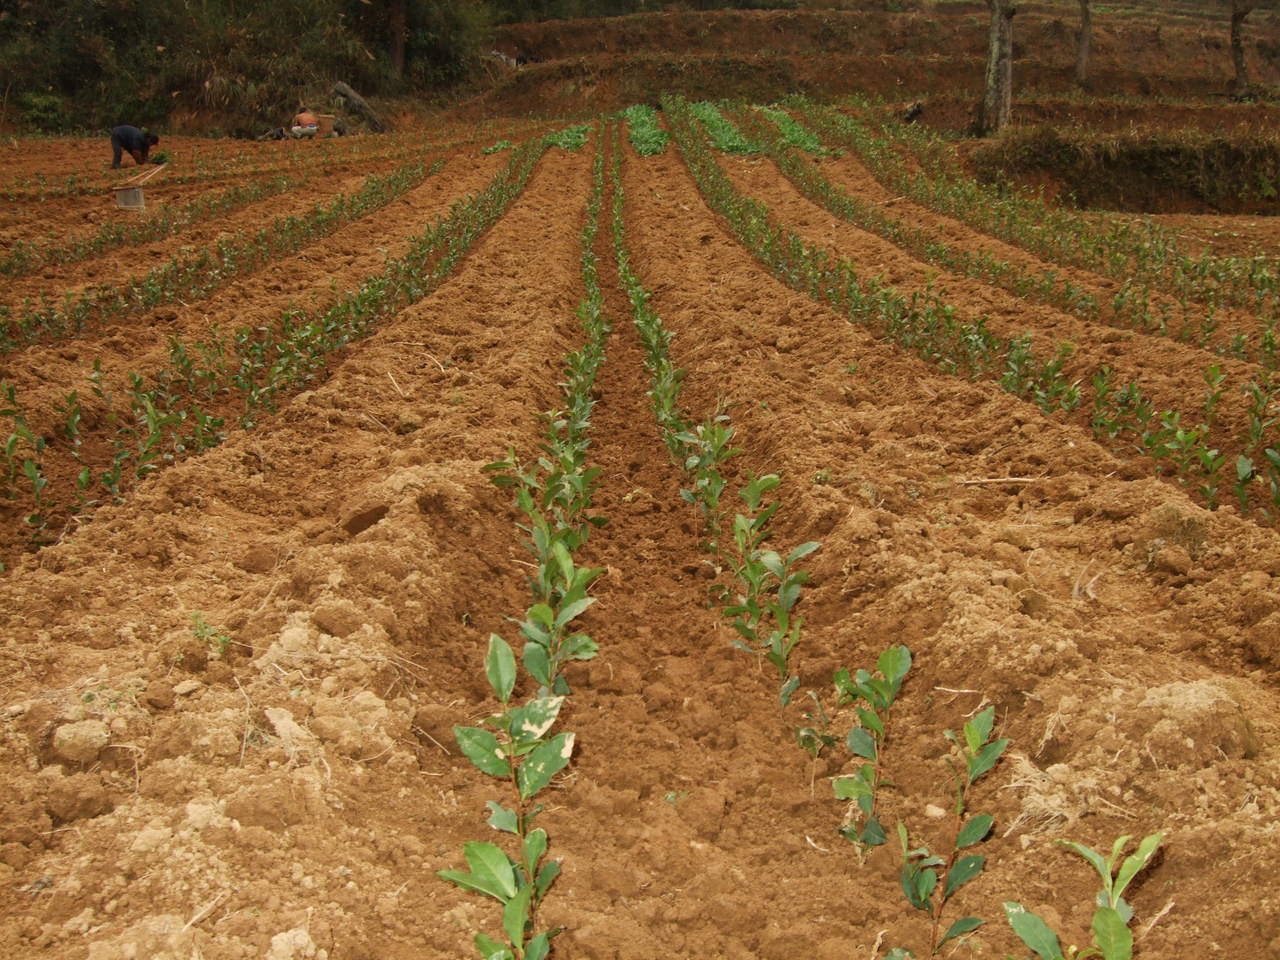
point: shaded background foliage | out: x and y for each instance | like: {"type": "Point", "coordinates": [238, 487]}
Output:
{"type": "Point", "coordinates": [83, 64]}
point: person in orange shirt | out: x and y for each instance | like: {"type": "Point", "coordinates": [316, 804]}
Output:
{"type": "Point", "coordinates": [305, 124]}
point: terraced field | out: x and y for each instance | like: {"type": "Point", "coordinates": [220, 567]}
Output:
{"type": "Point", "coordinates": [640, 439]}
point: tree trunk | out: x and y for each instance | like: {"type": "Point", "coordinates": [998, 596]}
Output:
{"type": "Point", "coordinates": [398, 20]}
{"type": "Point", "coordinates": [1239, 10]}
{"type": "Point", "coordinates": [357, 104]}
{"type": "Point", "coordinates": [1082, 48]}
{"type": "Point", "coordinates": [997, 101]}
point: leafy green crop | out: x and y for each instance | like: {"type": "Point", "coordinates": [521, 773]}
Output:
{"type": "Point", "coordinates": [647, 136]}
{"type": "Point", "coordinates": [724, 134]}
{"type": "Point", "coordinates": [495, 147]}
{"type": "Point", "coordinates": [518, 747]}
{"type": "Point", "coordinates": [570, 138]}
{"type": "Point", "coordinates": [1112, 939]}
{"type": "Point", "coordinates": [929, 880]}
{"type": "Point", "coordinates": [873, 698]}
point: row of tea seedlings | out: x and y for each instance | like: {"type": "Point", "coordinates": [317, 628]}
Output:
{"type": "Point", "coordinates": [184, 407]}
{"type": "Point", "coordinates": [194, 274]}
{"type": "Point", "coordinates": [1190, 453]}
{"type": "Point", "coordinates": [766, 585]}
{"type": "Point", "coordinates": [932, 872]}
{"type": "Point", "coordinates": [517, 746]}
{"type": "Point", "coordinates": [1114, 247]}
{"type": "Point", "coordinates": [24, 258]}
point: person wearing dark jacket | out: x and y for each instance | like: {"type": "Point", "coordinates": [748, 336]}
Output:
{"type": "Point", "coordinates": [137, 143]}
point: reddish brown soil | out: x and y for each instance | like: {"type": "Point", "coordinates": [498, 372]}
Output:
{"type": "Point", "coordinates": [297, 794]}
{"type": "Point", "coordinates": [1225, 236]}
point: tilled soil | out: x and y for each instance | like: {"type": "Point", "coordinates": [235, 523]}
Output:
{"type": "Point", "coordinates": [291, 793]}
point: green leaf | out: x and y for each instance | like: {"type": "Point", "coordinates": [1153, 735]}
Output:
{"type": "Point", "coordinates": [515, 915]}
{"type": "Point", "coordinates": [501, 818]}
{"type": "Point", "coordinates": [543, 614]}
{"type": "Point", "coordinates": [975, 831]}
{"type": "Point", "coordinates": [1111, 935]}
{"type": "Point", "coordinates": [535, 845]}
{"type": "Point", "coordinates": [491, 949]}
{"type": "Point", "coordinates": [871, 720]}
{"type": "Point", "coordinates": [849, 788]}
{"type": "Point", "coordinates": [537, 662]}
{"type": "Point", "coordinates": [500, 667]}
{"type": "Point", "coordinates": [788, 690]}
{"type": "Point", "coordinates": [579, 646]}
{"type": "Point", "coordinates": [802, 551]}
{"type": "Point", "coordinates": [986, 758]}
{"type": "Point", "coordinates": [1033, 931]}
{"type": "Point", "coordinates": [1095, 858]}
{"type": "Point", "coordinates": [489, 862]}
{"type": "Point", "coordinates": [1139, 859]}
{"type": "Point", "coordinates": [547, 876]}
{"type": "Point", "coordinates": [535, 718]}
{"type": "Point", "coordinates": [571, 610]}
{"type": "Point", "coordinates": [544, 763]}
{"type": "Point", "coordinates": [491, 872]}
{"type": "Point", "coordinates": [873, 834]}
{"type": "Point", "coordinates": [482, 749]}
{"type": "Point", "coordinates": [894, 664]}
{"type": "Point", "coordinates": [983, 724]}
{"type": "Point", "coordinates": [962, 926]}
{"type": "Point", "coordinates": [539, 948]}
{"type": "Point", "coordinates": [964, 870]}
{"type": "Point", "coordinates": [861, 743]}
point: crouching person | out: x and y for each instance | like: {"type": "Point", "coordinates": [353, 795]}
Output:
{"type": "Point", "coordinates": [137, 143]}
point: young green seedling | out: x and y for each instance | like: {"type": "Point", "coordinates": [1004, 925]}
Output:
{"type": "Point", "coordinates": [866, 741]}
{"type": "Point", "coordinates": [514, 746]}
{"type": "Point", "coordinates": [1112, 939]}
{"type": "Point", "coordinates": [928, 880]}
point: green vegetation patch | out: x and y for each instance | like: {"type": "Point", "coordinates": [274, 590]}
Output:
{"type": "Point", "coordinates": [647, 136]}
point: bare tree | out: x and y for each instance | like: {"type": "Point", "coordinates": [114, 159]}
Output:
{"type": "Point", "coordinates": [997, 102]}
{"type": "Point", "coordinates": [398, 22]}
{"type": "Point", "coordinates": [1239, 10]}
{"type": "Point", "coordinates": [1082, 46]}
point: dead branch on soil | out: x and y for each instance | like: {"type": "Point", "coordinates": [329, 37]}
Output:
{"type": "Point", "coordinates": [986, 480]}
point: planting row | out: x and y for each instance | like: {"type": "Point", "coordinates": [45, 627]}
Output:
{"type": "Point", "coordinates": [1196, 453]}
{"type": "Point", "coordinates": [195, 274]}
{"type": "Point", "coordinates": [1116, 248]}
{"type": "Point", "coordinates": [553, 493]}
{"type": "Point", "coordinates": [229, 378]}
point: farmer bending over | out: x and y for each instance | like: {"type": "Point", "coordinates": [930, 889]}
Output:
{"type": "Point", "coordinates": [305, 124]}
{"type": "Point", "coordinates": [137, 142]}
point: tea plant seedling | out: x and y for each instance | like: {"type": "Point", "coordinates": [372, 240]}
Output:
{"type": "Point", "coordinates": [1112, 939]}
{"type": "Point", "coordinates": [928, 880]}
{"type": "Point", "coordinates": [876, 694]}
{"type": "Point", "coordinates": [514, 746]}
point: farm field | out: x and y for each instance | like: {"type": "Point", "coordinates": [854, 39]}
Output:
{"type": "Point", "coordinates": [256, 557]}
